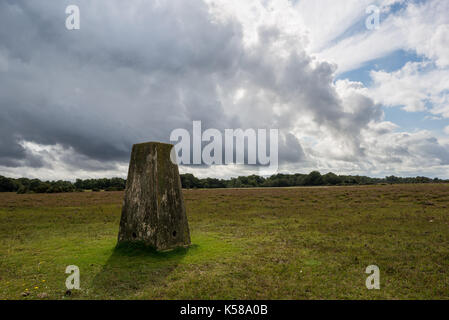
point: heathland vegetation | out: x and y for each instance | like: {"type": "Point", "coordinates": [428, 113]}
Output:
{"type": "Point", "coordinates": [267, 243]}
{"type": "Point", "coordinates": [189, 181]}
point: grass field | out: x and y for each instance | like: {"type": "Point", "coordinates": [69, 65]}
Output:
{"type": "Point", "coordinates": [292, 243]}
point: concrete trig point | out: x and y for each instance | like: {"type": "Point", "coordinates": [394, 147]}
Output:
{"type": "Point", "coordinates": [153, 210]}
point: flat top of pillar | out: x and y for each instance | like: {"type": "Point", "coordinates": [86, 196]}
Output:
{"type": "Point", "coordinates": [152, 143]}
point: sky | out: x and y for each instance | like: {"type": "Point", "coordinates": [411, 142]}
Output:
{"type": "Point", "coordinates": [345, 98]}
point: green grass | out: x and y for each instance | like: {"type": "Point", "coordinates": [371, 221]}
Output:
{"type": "Point", "coordinates": [293, 243]}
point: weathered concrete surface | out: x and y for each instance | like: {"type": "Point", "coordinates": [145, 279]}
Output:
{"type": "Point", "coordinates": [153, 210]}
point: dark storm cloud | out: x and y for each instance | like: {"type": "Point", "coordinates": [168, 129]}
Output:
{"type": "Point", "coordinates": [115, 82]}
{"type": "Point", "coordinates": [291, 149]}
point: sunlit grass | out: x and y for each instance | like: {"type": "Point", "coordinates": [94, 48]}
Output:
{"type": "Point", "coordinates": [294, 243]}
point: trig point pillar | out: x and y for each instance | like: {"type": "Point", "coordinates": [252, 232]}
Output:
{"type": "Point", "coordinates": [153, 210]}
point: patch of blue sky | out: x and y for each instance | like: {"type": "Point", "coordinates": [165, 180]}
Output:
{"type": "Point", "coordinates": [415, 121]}
{"type": "Point", "coordinates": [359, 26]}
{"type": "Point", "coordinates": [388, 63]}
{"type": "Point", "coordinates": [407, 121]}
{"type": "Point", "coordinates": [392, 62]}
{"type": "Point", "coordinates": [399, 6]}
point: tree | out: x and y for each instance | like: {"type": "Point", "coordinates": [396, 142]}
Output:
{"type": "Point", "coordinates": [7, 185]}
{"type": "Point", "coordinates": [331, 179]}
{"type": "Point", "coordinates": [392, 179]}
{"type": "Point", "coordinates": [314, 179]}
{"type": "Point", "coordinates": [189, 181]}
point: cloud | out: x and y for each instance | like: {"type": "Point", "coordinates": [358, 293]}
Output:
{"type": "Point", "coordinates": [135, 72]}
{"type": "Point", "coordinates": [421, 27]}
{"type": "Point", "coordinates": [73, 102]}
{"type": "Point", "coordinates": [3, 61]}
{"type": "Point", "coordinates": [131, 74]}
{"type": "Point", "coordinates": [54, 162]}
{"type": "Point", "coordinates": [417, 87]}
{"type": "Point", "coordinates": [414, 150]}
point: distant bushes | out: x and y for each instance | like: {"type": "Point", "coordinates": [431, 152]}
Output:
{"type": "Point", "coordinates": [114, 184]}
{"type": "Point", "coordinates": [314, 178]}
{"type": "Point", "coordinates": [24, 185]}
{"type": "Point", "coordinates": [189, 181]}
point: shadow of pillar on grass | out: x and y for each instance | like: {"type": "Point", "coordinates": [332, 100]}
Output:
{"type": "Point", "coordinates": [134, 267]}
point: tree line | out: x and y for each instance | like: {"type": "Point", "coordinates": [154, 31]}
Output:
{"type": "Point", "coordinates": [24, 185]}
{"type": "Point", "coordinates": [314, 178]}
{"type": "Point", "coordinates": [189, 181]}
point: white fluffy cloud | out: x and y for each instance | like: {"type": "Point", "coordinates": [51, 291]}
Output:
{"type": "Point", "coordinates": [446, 130]}
{"type": "Point", "coordinates": [420, 27]}
{"type": "Point", "coordinates": [416, 87]}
